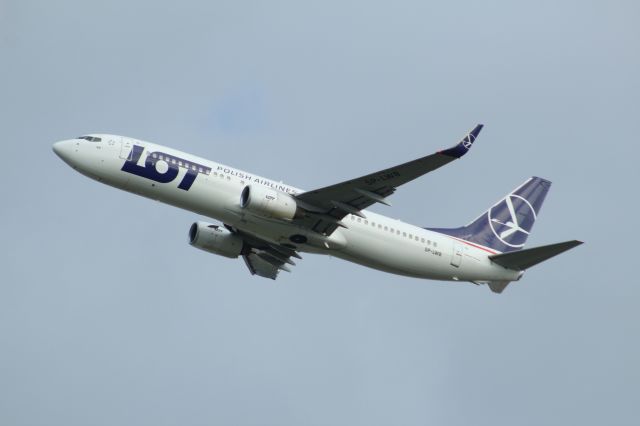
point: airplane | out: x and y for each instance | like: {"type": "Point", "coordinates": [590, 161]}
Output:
{"type": "Point", "coordinates": [269, 223]}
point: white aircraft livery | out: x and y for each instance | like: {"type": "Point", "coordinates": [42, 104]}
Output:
{"type": "Point", "coordinates": [268, 223]}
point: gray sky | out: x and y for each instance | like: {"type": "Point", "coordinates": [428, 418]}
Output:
{"type": "Point", "coordinates": [108, 316]}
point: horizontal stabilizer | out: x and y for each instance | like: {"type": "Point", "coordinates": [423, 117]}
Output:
{"type": "Point", "coordinates": [523, 259]}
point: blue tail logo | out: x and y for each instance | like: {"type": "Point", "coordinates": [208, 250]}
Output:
{"type": "Point", "coordinates": [507, 224]}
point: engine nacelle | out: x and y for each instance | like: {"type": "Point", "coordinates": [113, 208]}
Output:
{"type": "Point", "coordinates": [215, 239]}
{"type": "Point", "coordinates": [267, 202]}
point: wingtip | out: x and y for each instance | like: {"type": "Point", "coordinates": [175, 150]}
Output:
{"type": "Point", "coordinates": [465, 144]}
{"type": "Point", "coordinates": [476, 130]}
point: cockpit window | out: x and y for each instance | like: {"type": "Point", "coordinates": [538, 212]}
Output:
{"type": "Point", "coordinates": [90, 138]}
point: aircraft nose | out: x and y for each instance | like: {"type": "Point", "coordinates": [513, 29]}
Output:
{"type": "Point", "coordinates": [64, 149]}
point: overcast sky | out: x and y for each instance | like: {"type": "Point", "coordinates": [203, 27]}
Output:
{"type": "Point", "coordinates": [109, 317]}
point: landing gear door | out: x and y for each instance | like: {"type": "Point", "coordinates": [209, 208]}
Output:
{"type": "Point", "coordinates": [126, 149]}
{"type": "Point", "coordinates": [456, 258]}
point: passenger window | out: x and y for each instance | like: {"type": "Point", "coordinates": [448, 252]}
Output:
{"type": "Point", "coordinates": [359, 220]}
{"type": "Point", "coordinates": [404, 234]}
{"type": "Point", "coordinates": [386, 229]}
{"type": "Point", "coordinates": [366, 222]}
{"type": "Point", "coordinates": [422, 240]}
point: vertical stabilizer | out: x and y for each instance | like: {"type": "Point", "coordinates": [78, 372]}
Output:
{"type": "Point", "coordinates": [506, 226]}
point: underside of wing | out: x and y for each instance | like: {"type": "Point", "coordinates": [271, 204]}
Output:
{"type": "Point", "coordinates": [264, 258]}
{"type": "Point", "coordinates": [260, 267]}
{"type": "Point", "coordinates": [329, 205]}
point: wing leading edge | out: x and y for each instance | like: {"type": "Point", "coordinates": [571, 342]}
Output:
{"type": "Point", "coordinates": [329, 205]}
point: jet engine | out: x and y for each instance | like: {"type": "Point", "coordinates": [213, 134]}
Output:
{"type": "Point", "coordinates": [215, 239]}
{"type": "Point", "coordinates": [267, 202]}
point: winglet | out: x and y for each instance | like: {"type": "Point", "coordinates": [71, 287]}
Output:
{"type": "Point", "coordinates": [465, 144]}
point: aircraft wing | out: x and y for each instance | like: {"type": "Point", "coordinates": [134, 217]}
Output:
{"type": "Point", "coordinates": [265, 259]}
{"type": "Point", "coordinates": [328, 205]}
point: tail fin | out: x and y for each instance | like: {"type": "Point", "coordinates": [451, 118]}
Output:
{"type": "Point", "coordinates": [507, 224]}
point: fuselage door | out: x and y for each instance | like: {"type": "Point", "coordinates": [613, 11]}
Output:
{"type": "Point", "coordinates": [456, 258]}
{"type": "Point", "coordinates": [126, 149]}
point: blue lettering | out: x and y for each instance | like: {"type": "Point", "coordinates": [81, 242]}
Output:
{"type": "Point", "coordinates": [150, 171]}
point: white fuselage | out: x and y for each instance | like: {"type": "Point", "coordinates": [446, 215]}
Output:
{"type": "Point", "coordinates": [376, 241]}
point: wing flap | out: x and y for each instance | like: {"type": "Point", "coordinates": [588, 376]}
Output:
{"type": "Point", "coordinates": [263, 258]}
{"type": "Point", "coordinates": [498, 286]}
{"type": "Point", "coordinates": [259, 266]}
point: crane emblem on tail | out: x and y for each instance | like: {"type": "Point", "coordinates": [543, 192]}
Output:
{"type": "Point", "coordinates": [511, 220]}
